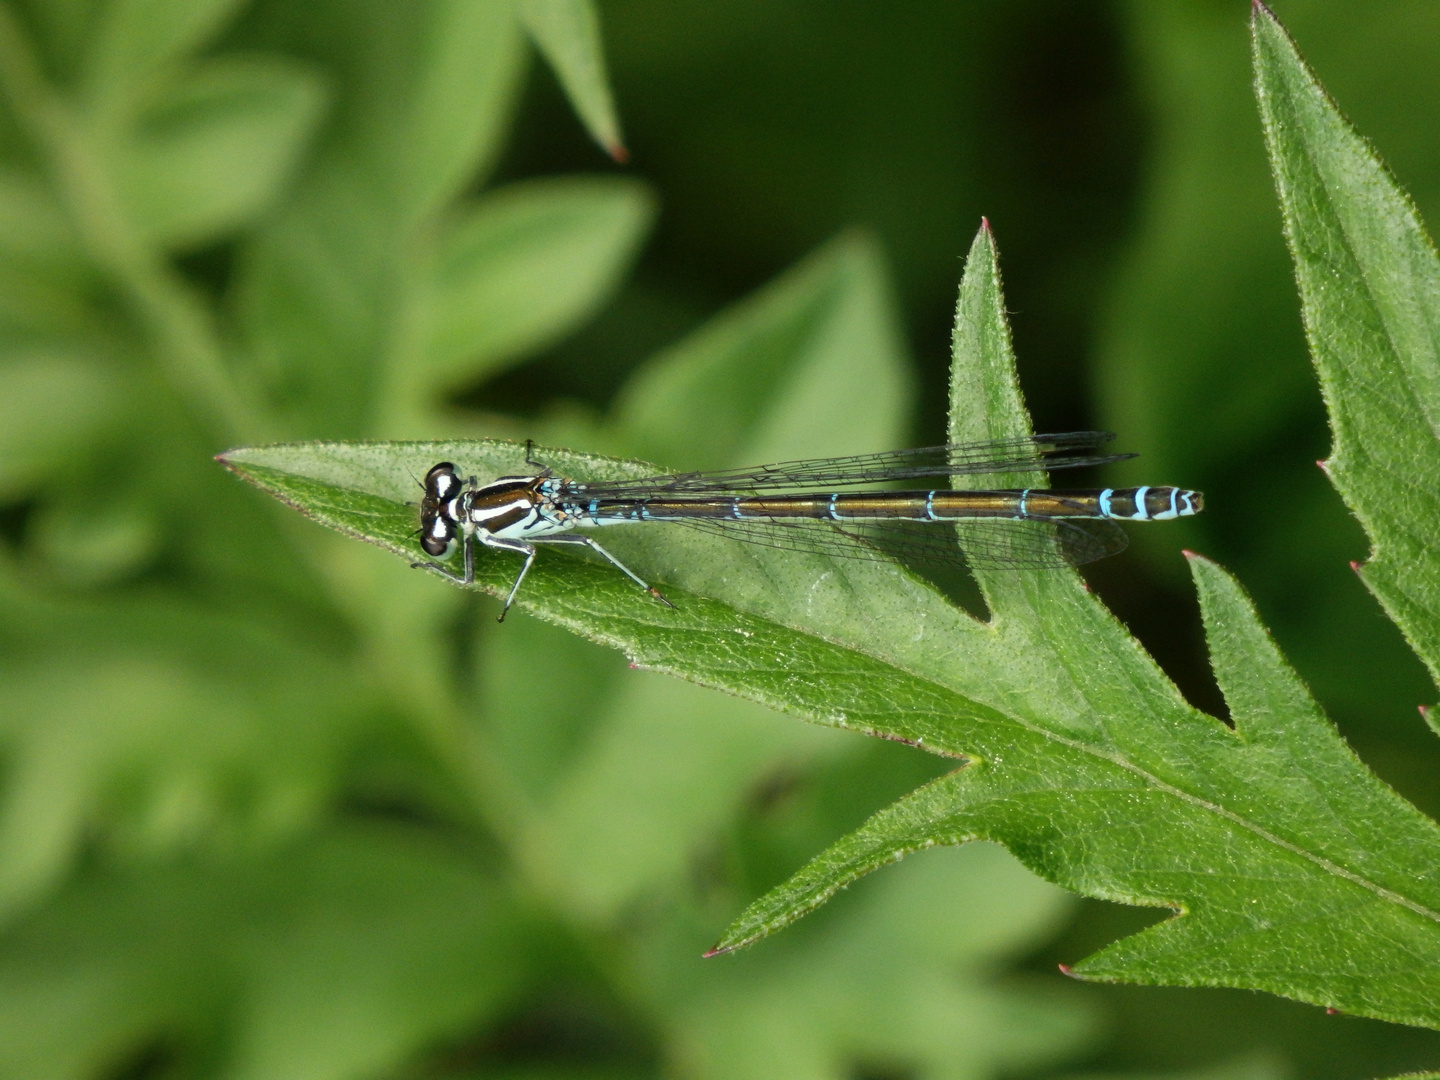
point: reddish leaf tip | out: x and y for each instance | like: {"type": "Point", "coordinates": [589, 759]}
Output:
{"type": "Point", "coordinates": [716, 951]}
{"type": "Point", "coordinates": [618, 153]}
{"type": "Point", "coordinates": [1424, 712]}
{"type": "Point", "coordinates": [1323, 466]}
{"type": "Point", "coordinates": [984, 223]}
{"type": "Point", "coordinates": [1065, 969]}
{"type": "Point", "coordinates": [1356, 566]}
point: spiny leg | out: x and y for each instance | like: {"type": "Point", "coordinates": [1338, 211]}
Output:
{"type": "Point", "coordinates": [590, 543]}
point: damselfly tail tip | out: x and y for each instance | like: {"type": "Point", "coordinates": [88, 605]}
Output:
{"type": "Point", "coordinates": [657, 595]}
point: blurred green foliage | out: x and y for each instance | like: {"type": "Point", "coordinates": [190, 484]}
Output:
{"type": "Point", "coordinates": [272, 806]}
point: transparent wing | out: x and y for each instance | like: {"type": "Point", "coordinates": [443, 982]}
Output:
{"type": "Point", "coordinates": [993, 543]}
{"type": "Point", "coordinates": [1064, 451]}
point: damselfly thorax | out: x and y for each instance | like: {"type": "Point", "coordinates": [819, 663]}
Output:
{"type": "Point", "coordinates": [1014, 527]}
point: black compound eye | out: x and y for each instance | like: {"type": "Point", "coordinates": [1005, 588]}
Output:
{"type": "Point", "coordinates": [437, 535]}
{"type": "Point", "coordinates": [441, 482]}
{"type": "Point", "coordinates": [439, 539]}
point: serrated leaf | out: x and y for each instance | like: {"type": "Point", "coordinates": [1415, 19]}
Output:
{"type": "Point", "coordinates": [1369, 284]}
{"type": "Point", "coordinates": [1082, 757]}
{"type": "Point", "coordinates": [1254, 808]}
{"type": "Point", "coordinates": [568, 33]}
{"type": "Point", "coordinates": [214, 152]}
{"type": "Point", "coordinates": [519, 269]}
{"type": "Point", "coordinates": [264, 950]}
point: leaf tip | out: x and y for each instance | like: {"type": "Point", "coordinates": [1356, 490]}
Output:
{"type": "Point", "coordinates": [1427, 713]}
{"type": "Point", "coordinates": [985, 224]}
{"type": "Point", "coordinates": [1323, 466]}
{"type": "Point", "coordinates": [618, 153]}
{"type": "Point", "coordinates": [1259, 9]}
{"type": "Point", "coordinates": [224, 459]}
{"type": "Point", "coordinates": [716, 950]}
{"type": "Point", "coordinates": [1357, 566]}
{"type": "Point", "coordinates": [1067, 971]}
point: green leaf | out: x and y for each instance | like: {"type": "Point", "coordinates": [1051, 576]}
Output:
{"type": "Point", "coordinates": [326, 290]}
{"type": "Point", "coordinates": [263, 949]}
{"type": "Point", "coordinates": [1254, 807]}
{"type": "Point", "coordinates": [568, 33]}
{"type": "Point", "coordinates": [214, 152]}
{"type": "Point", "coordinates": [150, 727]}
{"type": "Point", "coordinates": [44, 273]}
{"type": "Point", "coordinates": [1369, 284]}
{"type": "Point", "coordinates": [50, 402]}
{"type": "Point", "coordinates": [810, 366]}
{"type": "Point", "coordinates": [132, 39]}
{"type": "Point", "coordinates": [902, 972]}
{"type": "Point", "coordinates": [1077, 753]}
{"type": "Point", "coordinates": [657, 766]}
{"type": "Point", "coordinates": [519, 269]}
{"type": "Point", "coordinates": [1256, 1066]}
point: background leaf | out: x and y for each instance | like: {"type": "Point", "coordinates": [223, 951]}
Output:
{"type": "Point", "coordinates": [213, 153]}
{"type": "Point", "coordinates": [568, 33]}
{"type": "Point", "coordinates": [260, 948]}
{"type": "Point", "coordinates": [521, 269]}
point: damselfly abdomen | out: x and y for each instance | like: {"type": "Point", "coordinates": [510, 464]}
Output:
{"type": "Point", "coordinates": [793, 505]}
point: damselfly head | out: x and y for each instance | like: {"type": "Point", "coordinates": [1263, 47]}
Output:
{"type": "Point", "coordinates": [437, 527]}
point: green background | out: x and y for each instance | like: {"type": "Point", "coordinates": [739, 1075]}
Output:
{"type": "Point", "coordinates": [249, 819]}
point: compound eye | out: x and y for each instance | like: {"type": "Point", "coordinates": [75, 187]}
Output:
{"type": "Point", "coordinates": [439, 549]}
{"type": "Point", "coordinates": [441, 482]}
{"type": "Point", "coordinates": [439, 538]}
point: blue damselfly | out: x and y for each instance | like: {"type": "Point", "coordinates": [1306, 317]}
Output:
{"type": "Point", "coordinates": [794, 505]}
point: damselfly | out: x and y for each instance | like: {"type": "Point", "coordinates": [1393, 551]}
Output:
{"type": "Point", "coordinates": [792, 505]}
